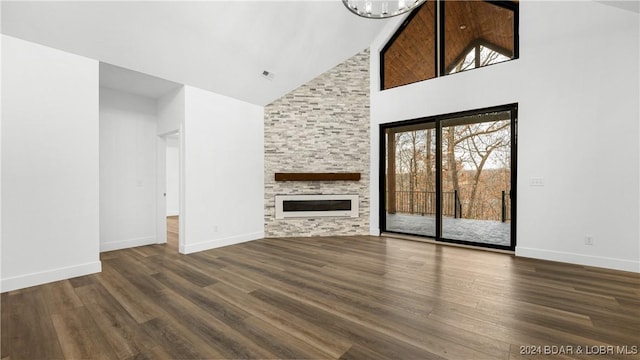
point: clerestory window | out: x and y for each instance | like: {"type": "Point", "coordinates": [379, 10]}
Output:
{"type": "Point", "coordinates": [478, 56]}
{"type": "Point", "coordinates": [471, 34]}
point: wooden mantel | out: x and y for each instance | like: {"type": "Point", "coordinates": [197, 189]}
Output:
{"type": "Point", "coordinates": [317, 176]}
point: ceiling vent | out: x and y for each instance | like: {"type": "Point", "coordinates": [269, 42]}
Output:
{"type": "Point", "coordinates": [267, 75]}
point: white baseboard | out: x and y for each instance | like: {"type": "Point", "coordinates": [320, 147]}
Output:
{"type": "Point", "coordinates": [43, 277]}
{"type": "Point", "coordinates": [212, 244]}
{"type": "Point", "coordinates": [173, 213]}
{"type": "Point", "coordinates": [125, 244]}
{"type": "Point", "coordinates": [579, 259]}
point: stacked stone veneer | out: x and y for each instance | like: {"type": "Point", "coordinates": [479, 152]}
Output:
{"type": "Point", "coordinates": [323, 126]}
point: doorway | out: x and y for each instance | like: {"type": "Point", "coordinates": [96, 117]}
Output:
{"type": "Point", "coordinates": [172, 169]}
{"type": "Point", "coordinates": [452, 177]}
{"type": "Point", "coordinates": [170, 215]}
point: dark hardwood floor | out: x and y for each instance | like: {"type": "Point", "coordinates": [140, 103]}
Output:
{"type": "Point", "coordinates": [325, 298]}
{"type": "Point", "coordinates": [172, 233]}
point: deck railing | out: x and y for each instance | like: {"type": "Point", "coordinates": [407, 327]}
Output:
{"type": "Point", "coordinates": [424, 203]}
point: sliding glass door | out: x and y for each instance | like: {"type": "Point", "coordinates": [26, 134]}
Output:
{"type": "Point", "coordinates": [451, 177]}
{"type": "Point", "coordinates": [476, 172]}
{"type": "Point", "coordinates": [411, 186]}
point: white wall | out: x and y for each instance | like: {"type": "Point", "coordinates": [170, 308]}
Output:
{"type": "Point", "coordinates": [173, 175]}
{"type": "Point", "coordinates": [170, 109]}
{"type": "Point", "coordinates": [577, 85]}
{"type": "Point", "coordinates": [49, 165]}
{"type": "Point", "coordinates": [127, 170]}
{"type": "Point", "coordinates": [223, 171]}
{"type": "Point", "coordinates": [1, 158]}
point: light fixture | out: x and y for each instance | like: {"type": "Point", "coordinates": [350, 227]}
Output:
{"type": "Point", "coordinates": [381, 9]}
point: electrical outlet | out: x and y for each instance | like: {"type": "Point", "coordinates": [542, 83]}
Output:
{"type": "Point", "coordinates": [215, 228]}
{"type": "Point", "coordinates": [588, 240]}
{"type": "Point", "coordinates": [537, 181]}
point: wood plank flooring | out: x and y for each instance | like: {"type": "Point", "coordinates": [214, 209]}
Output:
{"type": "Point", "coordinates": [325, 298]}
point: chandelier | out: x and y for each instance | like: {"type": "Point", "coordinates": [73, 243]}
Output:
{"type": "Point", "coordinates": [381, 9]}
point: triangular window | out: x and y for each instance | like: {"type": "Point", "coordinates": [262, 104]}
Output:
{"type": "Point", "coordinates": [478, 56]}
{"type": "Point", "coordinates": [445, 37]}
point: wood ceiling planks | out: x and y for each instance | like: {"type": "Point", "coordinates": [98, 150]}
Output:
{"type": "Point", "coordinates": [467, 22]}
{"type": "Point", "coordinates": [410, 55]}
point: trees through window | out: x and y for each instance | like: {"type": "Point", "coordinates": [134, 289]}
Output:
{"type": "Point", "coordinates": [451, 177]}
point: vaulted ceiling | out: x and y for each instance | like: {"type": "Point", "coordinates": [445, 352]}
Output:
{"type": "Point", "coordinates": [221, 46]}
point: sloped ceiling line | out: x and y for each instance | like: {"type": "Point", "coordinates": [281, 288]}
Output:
{"type": "Point", "coordinates": [220, 46]}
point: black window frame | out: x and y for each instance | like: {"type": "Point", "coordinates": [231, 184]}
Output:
{"type": "Point", "coordinates": [437, 120]}
{"type": "Point", "coordinates": [440, 38]}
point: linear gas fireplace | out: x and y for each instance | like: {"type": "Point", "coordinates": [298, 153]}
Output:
{"type": "Point", "coordinates": [312, 206]}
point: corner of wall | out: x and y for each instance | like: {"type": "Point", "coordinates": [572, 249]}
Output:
{"type": "Point", "coordinates": [223, 179]}
{"type": "Point", "coordinates": [1, 40]}
{"type": "Point", "coordinates": [580, 259]}
{"type": "Point", "coordinates": [171, 110]}
{"type": "Point", "coordinates": [43, 277]}
{"type": "Point", "coordinates": [221, 242]}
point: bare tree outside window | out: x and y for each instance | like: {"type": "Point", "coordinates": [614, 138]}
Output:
{"type": "Point", "coordinates": [475, 164]}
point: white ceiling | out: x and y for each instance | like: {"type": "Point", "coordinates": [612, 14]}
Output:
{"type": "Point", "coordinates": [221, 46]}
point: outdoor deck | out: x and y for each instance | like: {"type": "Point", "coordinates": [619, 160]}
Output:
{"type": "Point", "coordinates": [480, 231]}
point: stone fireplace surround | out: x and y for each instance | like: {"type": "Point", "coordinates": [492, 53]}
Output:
{"type": "Point", "coordinates": [321, 127]}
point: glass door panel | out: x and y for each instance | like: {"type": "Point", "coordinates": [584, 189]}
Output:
{"type": "Point", "coordinates": [451, 177]}
{"type": "Point", "coordinates": [476, 178]}
{"type": "Point", "coordinates": [410, 205]}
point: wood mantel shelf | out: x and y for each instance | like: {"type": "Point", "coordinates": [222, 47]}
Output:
{"type": "Point", "coordinates": [317, 176]}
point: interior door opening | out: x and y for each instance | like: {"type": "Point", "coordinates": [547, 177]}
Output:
{"type": "Point", "coordinates": [452, 177]}
{"type": "Point", "coordinates": [172, 198]}
{"type": "Point", "coordinates": [170, 204]}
